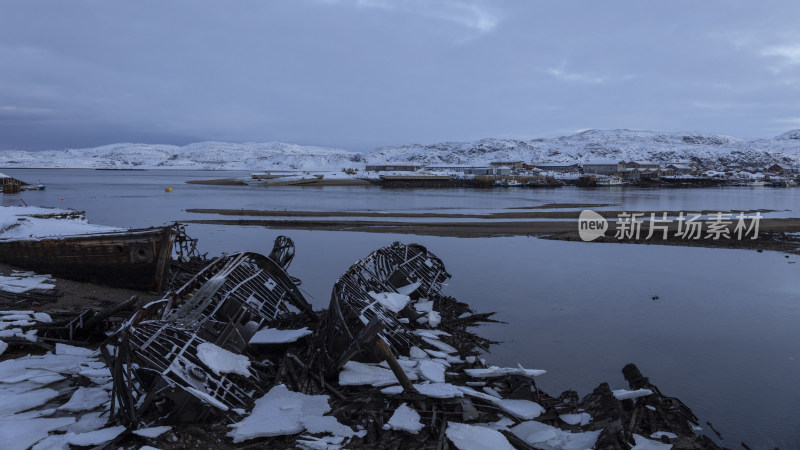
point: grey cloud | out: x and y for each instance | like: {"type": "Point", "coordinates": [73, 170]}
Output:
{"type": "Point", "coordinates": [360, 74]}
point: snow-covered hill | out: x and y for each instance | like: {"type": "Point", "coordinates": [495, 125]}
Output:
{"type": "Point", "coordinates": [710, 150]}
{"type": "Point", "coordinates": [200, 156]}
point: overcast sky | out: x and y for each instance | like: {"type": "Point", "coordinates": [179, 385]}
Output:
{"type": "Point", "coordinates": [358, 74]}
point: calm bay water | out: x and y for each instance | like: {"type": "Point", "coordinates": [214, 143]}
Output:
{"type": "Point", "coordinates": [724, 335]}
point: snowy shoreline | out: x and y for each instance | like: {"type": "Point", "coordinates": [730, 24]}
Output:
{"type": "Point", "coordinates": [451, 392]}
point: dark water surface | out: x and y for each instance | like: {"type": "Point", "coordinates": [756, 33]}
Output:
{"type": "Point", "coordinates": [724, 336]}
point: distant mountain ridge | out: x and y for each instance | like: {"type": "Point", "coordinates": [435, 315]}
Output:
{"type": "Point", "coordinates": [199, 156]}
{"type": "Point", "coordinates": [709, 150]}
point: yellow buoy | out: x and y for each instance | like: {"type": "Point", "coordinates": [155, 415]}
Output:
{"type": "Point", "coordinates": [167, 189]}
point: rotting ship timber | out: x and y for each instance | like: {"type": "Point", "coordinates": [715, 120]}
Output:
{"type": "Point", "coordinates": [133, 259]}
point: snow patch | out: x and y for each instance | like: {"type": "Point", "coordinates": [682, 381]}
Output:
{"type": "Point", "coordinates": [391, 300]}
{"type": "Point", "coordinates": [624, 394]}
{"type": "Point", "coordinates": [281, 411]}
{"type": "Point", "coordinates": [405, 419]}
{"type": "Point", "coordinates": [222, 361]}
{"type": "Point", "coordinates": [545, 436]}
{"type": "Point", "coordinates": [275, 336]}
{"type": "Point", "coordinates": [472, 437]}
{"type": "Point", "coordinates": [152, 432]}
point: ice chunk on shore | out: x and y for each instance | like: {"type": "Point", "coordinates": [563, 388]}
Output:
{"type": "Point", "coordinates": [222, 361]}
{"type": "Point", "coordinates": [522, 409]}
{"type": "Point", "coordinates": [11, 403]}
{"type": "Point", "coordinates": [15, 311]}
{"type": "Point", "coordinates": [3, 347]}
{"type": "Point", "coordinates": [494, 371]}
{"type": "Point", "coordinates": [85, 399]}
{"type": "Point", "coordinates": [409, 288]}
{"type": "Point", "coordinates": [433, 334]}
{"type": "Point", "coordinates": [355, 373]}
{"type": "Point", "coordinates": [434, 319]}
{"type": "Point", "coordinates": [89, 422]}
{"type": "Point", "coordinates": [417, 353]}
{"type": "Point", "coordinates": [624, 394]}
{"type": "Point", "coordinates": [21, 434]}
{"type": "Point", "coordinates": [25, 368]}
{"type": "Point", "coordinates": [545, 436]}
{"type": "Point", "coordinates": [65, 349]}
{"type": "Point", "coordinates": [19, 284]}
{"type": "Point", "coordinates": [281, 411]}
{"type": "Point", "coordinates": [576, 419]}
{"type": "Point", "coordinates": [94, 437]}
{"type": "Point", "coordinates": [275, 336]}
{"type": "Point", "coordinates": [391, 300]}
{"type": "Point", "coordinates": [152, 432]}
{"type": "Point", "coordinates": [53, 442]}
{"type": "Point", "coordinates": [472, 437]}
{"type": "Point", "coordinates": [42, 317]}
{"type": "Point", "coordinates": [435, 390]}
{"type": "Point", "coordinates": [440, 345]}
{"type": "Point", "coordinates": [431, 370]}
{"type": "Point", "coordinates": [405, 419]}
{"type": "Point", "coordinates": [424, 306]}
{"type": "Point", "coordinates": [15, 318]}
{"type": "Point", "coordinates": [642, 443]}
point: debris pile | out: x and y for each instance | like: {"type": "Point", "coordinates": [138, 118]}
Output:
{"type": "Point", "coordinates": [237, 355]}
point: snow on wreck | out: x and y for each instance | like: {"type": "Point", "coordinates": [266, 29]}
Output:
{"type": "Point", "coordinates": [187, 349]}
{"type": "Point", "coordinates": [391, 364]}
{"type": "Point", "coordinates": [64, 244]}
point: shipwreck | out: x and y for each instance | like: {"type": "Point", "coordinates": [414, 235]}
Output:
{"type": "Point", "coordinates": [233, 346]}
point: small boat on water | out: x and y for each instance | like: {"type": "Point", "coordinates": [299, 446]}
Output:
{"type": "Point", "coordinates": [548, 183]}
{"type": "Point", "coordinates": [33, 187]}
{"type": "Point", "coordinates": [610, 181]}
{"type": "Point", "coordinates": [134, 259]}
{"type": "Point", "coordinates": [510, 182]}
{"type": "Point", "coordinates": [756, 183]}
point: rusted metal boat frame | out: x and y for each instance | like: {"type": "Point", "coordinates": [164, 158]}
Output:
{"type": "Point", "coordinates": [155, 359]}
{"type": "Point", "coordinates": [234, 290]}
{"type": "Point", "coordinates": [354, 317]}
{"type": "Point", "coordinates": [224, 304]}
{"type": "Point", "coordinates": [134, 259]}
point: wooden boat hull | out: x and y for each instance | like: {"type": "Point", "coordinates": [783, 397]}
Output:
{"type": "Point", "coordinates": [133, 259]}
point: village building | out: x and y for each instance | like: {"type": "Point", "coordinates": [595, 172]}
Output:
{"type": "Point", "coordinates": [607, 167]}
{"type": "Point", "coordinates": [509, 164]}
{"type": "Point", "coordinates": [391, 168]}
{"type": "Point", "coordinates": [463, 169]}
{"type": "Point", "coordinates": [781, 169]}
{"type": "Point", "coordinates": [680, 168]}
{"type": "Point", "coordinates": [557, 167]}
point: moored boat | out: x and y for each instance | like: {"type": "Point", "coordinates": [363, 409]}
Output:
{"type": "Point", "coordinates": [133, 259]}
{"type": "Point", "coordinates": [610, 181]}
{"type": "Point", "coordinates": [547, 183]}
{"type": "Point", "coordinates": [509, 182]}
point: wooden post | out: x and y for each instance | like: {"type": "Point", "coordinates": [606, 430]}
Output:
{"type": "Point", "coordinates": [384, 350]}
